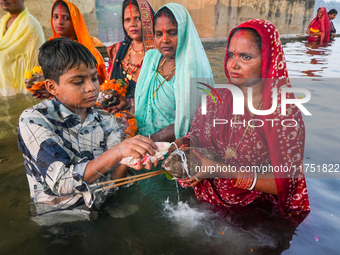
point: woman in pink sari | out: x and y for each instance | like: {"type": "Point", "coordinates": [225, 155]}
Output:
{"type": "Point", "coordinates": [255, 59]}
{"type": "Point", "coordinates": [320, 27]}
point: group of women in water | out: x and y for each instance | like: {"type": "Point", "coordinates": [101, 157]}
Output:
{"type": "Point", "coordinates": [162, 60]}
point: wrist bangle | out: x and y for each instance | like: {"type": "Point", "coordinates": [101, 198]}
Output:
{"type": "Point", "coordinates": [254, 181]}
{"type": "Point", "coordinates": [245, 180]}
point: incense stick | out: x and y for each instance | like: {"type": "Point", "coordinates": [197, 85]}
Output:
{"type": "Point", "coordinates": [127, 178]}
{"type": "Point", "coordinates": [133, 180]}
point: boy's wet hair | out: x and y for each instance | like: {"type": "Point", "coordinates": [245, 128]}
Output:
{"type": "Point", "coordinates": [59, 55]}
{"type": "Point", "coordinates": [167, 13]}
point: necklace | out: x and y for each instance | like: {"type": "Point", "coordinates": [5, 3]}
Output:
{"type": "Point", "coordinates": [160, 69]}
{"type": "Point", "coordinates": [165, 78]}
{"type": "Point", "coordinates": [230, 153]}
{"type": "Point", "coordinates": [129, 56]}
{"type": "Point", "coordinates": [136, 51]}
{"type": "Point", "coordinates": [129, 76]}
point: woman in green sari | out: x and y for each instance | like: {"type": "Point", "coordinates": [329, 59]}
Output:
{"type": "Point", "coordinates": [167, 92]}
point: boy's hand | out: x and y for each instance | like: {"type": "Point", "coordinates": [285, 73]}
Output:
{"type": "Point", "coordinates": [137, 147]}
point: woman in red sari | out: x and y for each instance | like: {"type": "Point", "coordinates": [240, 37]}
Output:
{"type": "Point", "coordinates": [320, 27]}
{"type": "Point", "coordinates": [255, 59]}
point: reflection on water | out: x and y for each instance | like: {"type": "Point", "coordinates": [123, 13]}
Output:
{"type": "Point", "coordinates": [312, 60]}
{"type": "Point", "coordinates": [141, 220]}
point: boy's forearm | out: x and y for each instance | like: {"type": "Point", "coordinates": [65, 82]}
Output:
{"type": "Point", "coordinates": [120, 171]}
{"type": "Point", "coordinates": [99, 166]}
{"type": "Point", "coordinates": [136, 147]}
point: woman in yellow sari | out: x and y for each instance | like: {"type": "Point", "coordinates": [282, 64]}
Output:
{"type": "Point", "coordinates": [21, 35]}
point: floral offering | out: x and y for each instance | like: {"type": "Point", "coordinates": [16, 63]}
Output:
{"type": "Point", "coordinates": [34, 80]}
{"type": "Point", "coordinates": [110, 93]}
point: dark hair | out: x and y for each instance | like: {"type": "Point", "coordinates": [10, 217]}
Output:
{"type": "Point", "coordinates": [57, 4]}
{"type": "Point", "coordinates": [252, 31]}
{"type": "Point", "coordinates": [59, 55]}
{"type": "Point", "coordinates": [333, 11]}
{"type": "Point", "coordinates": [167, 13]}
{"type": "Point", "coordinates": [126, 4]}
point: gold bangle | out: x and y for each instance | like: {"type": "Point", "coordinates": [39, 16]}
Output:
{"type": "Point", "coordinates": [244, 180]}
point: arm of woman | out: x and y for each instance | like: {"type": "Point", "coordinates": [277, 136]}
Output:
{"type": "Point", "coordinates": [166, 134]}
{"type": "Point", "coordinates": [265, 182]}
{"type": "Point", "coordinates": [322, 37]}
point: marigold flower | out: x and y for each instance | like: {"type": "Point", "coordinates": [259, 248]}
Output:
{"type": "Point", "coordinates": [28, 75]}
{"type": "Point", "coordinates": [36, 69]}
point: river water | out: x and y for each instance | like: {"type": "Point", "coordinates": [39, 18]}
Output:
{"type": "Point", "coordinates": [147, 218]}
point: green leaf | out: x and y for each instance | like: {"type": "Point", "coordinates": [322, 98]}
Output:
{"type": "Point", "coordinates": [169, 176]}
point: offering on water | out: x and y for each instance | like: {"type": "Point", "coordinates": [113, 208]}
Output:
{"type": "Point", "coordinates": [182, 162]}
{"type": "Point", "coordinates": [110, 93]}
{"type": "Point", "coordinates": [163, 149]}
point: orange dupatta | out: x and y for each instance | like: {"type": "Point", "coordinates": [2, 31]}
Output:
{"type": "Point", "coordinates": [82, 35]}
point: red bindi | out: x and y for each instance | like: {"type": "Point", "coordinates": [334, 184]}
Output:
{"type": "Point", "coordinates": [239, 34]}
{"type": "Point", "coordinates": [130, 7]}
{"type": "Point", "coordinates": [60, 12]}
{"type": "Point", "coordinates": [164, 38]}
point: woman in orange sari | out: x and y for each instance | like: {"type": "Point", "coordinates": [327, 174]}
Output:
{"type": "Point", "coordinates": [67, 21]}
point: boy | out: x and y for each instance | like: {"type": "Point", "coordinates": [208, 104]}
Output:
{"type": "Point", "coordinates": [66, 143]}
